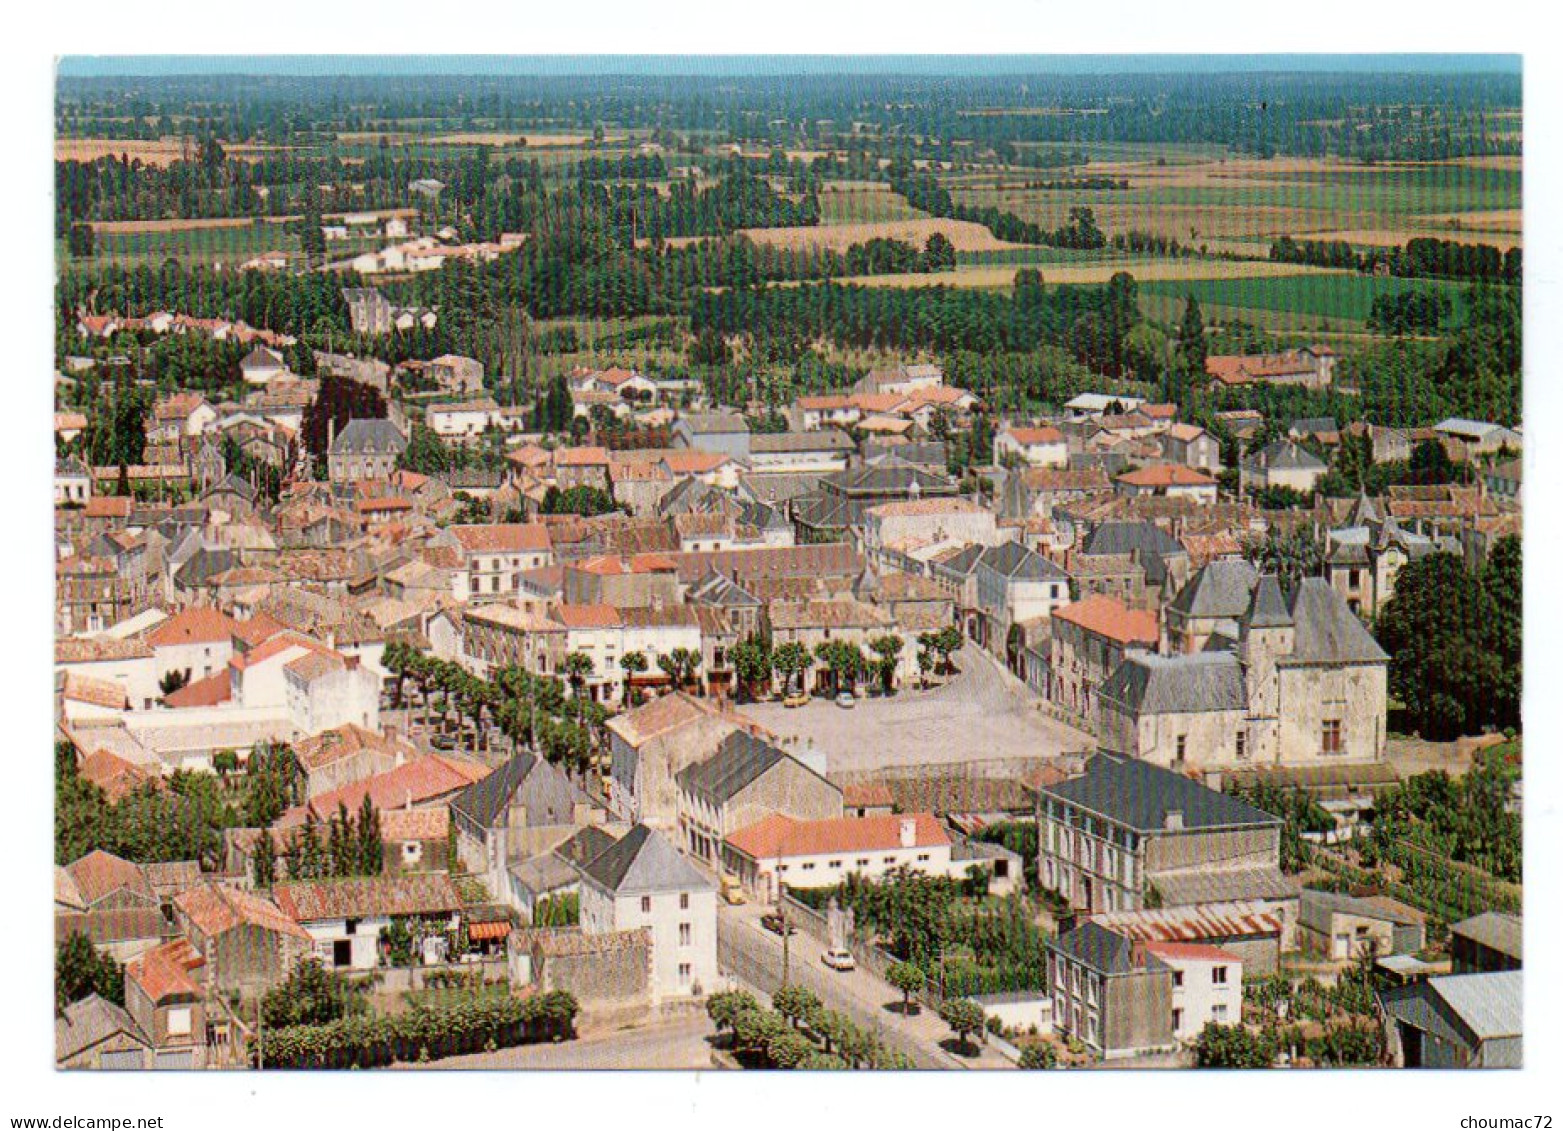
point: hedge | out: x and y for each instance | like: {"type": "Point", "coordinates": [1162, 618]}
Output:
{"type": "Point", "coordinates": [422, 1034]}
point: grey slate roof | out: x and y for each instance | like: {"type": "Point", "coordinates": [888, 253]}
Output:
{"type": "Point", "coordinates": [1459, 1007]}
{"type": "Point", "coordinates": [644, 862]}
{"type": "Point", "coordinates": [1314, 425]}
{"type": "Point", "coordinates": [1327, 630]}
{"type": "Point", "coordinates": [1288, 455]}
{"type": "Point", "coordinates": [1221, 590]}
{"type": "Point", "coordinates": [366, 437]}
{"type": "Point", "coordinates": [550, 797]}
{"type": "Point", "coordinates": [1496, 930]}
{"type": "Point", "coordinates": [1022, 563]}
{"type": "Point", "coordinates": [1104, 951]}
{"type": "Point", "coordinates": [1268, 608]}
{"type": "Point", "coordinates": [1127, 537]}
{"type": "Point", "coordinates": [1140, 795]}
{"type": "Point", "coordinates": [739, 761]}
{"type": "Point", "coordinates": [889, 477]}
{"type": "Point", "coordinates": [720, 591]}
{"type": "Point", "coordinates": [1148, 684]}
{"type": "Point", "coordinates": [585, 846]}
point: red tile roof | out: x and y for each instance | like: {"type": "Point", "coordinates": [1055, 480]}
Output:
{"type": "Point", "coordinates": [209, 692]}
{"type": "Point", "coordinates": [1030, 436]}
{"type": "Point", "coordinates": [114, 775]}
{"type": "Point", "coordinates": [217, 909]}
{"type": "Point", "coordinates": [1197, 952]}
{"type": "Point", "coordinates": [200, 625]}
{"type": "Point", "coordinates": [587, 616]}
{"type": "Point", "coordinates": [510, 537]}
{"type": "Point", "coordinates": [108, 506]}
{"type": "Point", "coordinates": [781, 836]}
{"type": "Point", "coordinates": [100, 874]}
{"type": "Point", "coordinates": [413, 783]}
{"type": "Point", "coordinates": [165, 971]}
{"type": "Point", "coordinates": [1167, 475]}
{"type": "Point", "coordinates": [1109, 617]}
{"type": "Point", "coordinates": [361, 898]}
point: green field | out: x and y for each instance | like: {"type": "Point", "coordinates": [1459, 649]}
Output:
{"type": "Point", "coordinates": [1311, 299]}
{"type": "Point", "coordinates": [875, 205]}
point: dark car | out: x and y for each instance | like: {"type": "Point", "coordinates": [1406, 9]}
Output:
{"type": "Point", "coordinates": [774, 922]}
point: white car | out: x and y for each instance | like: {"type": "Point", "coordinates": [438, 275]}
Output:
{"type": "Point", "coordinates": [839, 960]}
{"type": "Point", "coordinates": [845, 700]}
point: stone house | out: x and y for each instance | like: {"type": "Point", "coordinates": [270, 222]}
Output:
{"type": "Point", "coordinates": [344, 917]}
{"type": "Point", "coordinates": [1283, 463]}
{"type": "Point", "coordinates": [95, 1033]}
{"type": "Point", "coordinates": [746, 780]}
{"type": "Point", "coordinates": [1125, 832]}
{"type": "Point", "coordinates": [1088, 641]}
{"type": "Point", "coordinates": [248, 943]}
{"type": "Point", "coordinates": [165, 996]}
{"type": "Point", "coordinates": [1338, 928]}
{"type": "Point", "coordinates": [365, 449]}
{"type": "Point", "coordinates": [650, 744]}
{"type": "Point", "coordinates": [1114, 997]}
{"type": "Point", "coordinates": [643, 882]}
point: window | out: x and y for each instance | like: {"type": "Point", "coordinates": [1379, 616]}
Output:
{"type": "Point", "coordinates": [862, 861]}
{"type": "Point", "coordinates": [179, 1022]}
{"type": "Point", "coordinates": [1331, 738]}
{"type": "Point", "coordinates": [809, 867]}
{"type": "Point", "coordinates": [1177, 1020]}
{"type": "Point", "coordinates": [889, 859]}
{"type": "Point", "coordinates": [1183, 747]}
{"type": "Point", "coordinates": [1218, 1013]}
{"type": "Point", "coordinates": [1242, 745]}
{"type": "Point", "coordinates": [922, 857]}
{"type": "Point", "coordinates": [685, 972]}
{"type": "Point", "coordinates": [412, 851]}
{"type": "Point", "coordinates": [352, 926]}
{"type": "Point", "coordinates": [683, 901]}
{"type": "Point", "coordinates": [835, 863]}
{"type": "Point", "coordinates": [1218, 976]}
{"type": "Point", "coordinates": [686, 934]}
{"type": "Point", "coordinates": [1177, 978]}
{"type": "Point", "coordinates": [645, 905]}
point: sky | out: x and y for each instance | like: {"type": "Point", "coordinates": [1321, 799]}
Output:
{"type": "Point", "coordinates": [717, 65]}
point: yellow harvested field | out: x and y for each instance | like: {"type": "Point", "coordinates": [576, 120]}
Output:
{"type": "Point", "coordinates": [161, 152]}
{"type": "Point", "coordinates": [965, 235]}
{"type": "Point", "coordinates": [1498, 220]}
{"type": "Point", "coordinates": [1398, 237]}
{"type": "Point", "coordinates": [1149, 271]}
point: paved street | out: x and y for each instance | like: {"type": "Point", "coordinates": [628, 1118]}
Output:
{"type": "Point", "coordinates": [981, 713]}
{"type": "Point", "coordinates": [753, 956]}
{"type": "Point", "coordinates": [681, 1043]}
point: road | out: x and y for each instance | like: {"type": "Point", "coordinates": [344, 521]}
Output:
{"type": "Point", "coordinates": [982, 713]}
{"type": "Point", "coordinates": [752, 955]}
{"type": "Point", "coordinates": [680, 1043]}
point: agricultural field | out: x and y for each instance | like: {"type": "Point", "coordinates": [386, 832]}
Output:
{"type": "Point", "coordinates": [966, 236]}
{"type": "Point", "coordinates": [863, 202]}
{"type": "Point", "coordinates": [1242, 204]}
{"type": "Point", "coordinates": [1336, 297]}
{"type": "Point", "coordinates": [1170, 271]}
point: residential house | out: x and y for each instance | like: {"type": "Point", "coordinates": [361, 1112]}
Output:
{"type": "Point", "coordinates": [1168, 480]}
{"type": "Point", "coordinates": [248, 943]}
{"type": "Point", "coordinates": [780, 849]}
{"type": "Point", "coordinates": [1125, 829]}
{"type": "Point", "coordinates": [1191, 446]}
{"type": "Point", "coordinates": [744, 781]}
{"type": "Point", "coordinates": [650, 744]}
{"type": "Point", "coordinates": [165, 996]}
{"type": "Point", "coordinates": [262, 365]}
{"type": "Point", "coordinates": [643, 882]}
{"type": "Point", "coordinates": [366, 449]}
{"type": "Point", "coordinates": [1341, 928]}
{"type": "Point", "coordinates": [1111, 995]}
{"type": "Point", "coordinates": [95, 1033]}
{"type": "Point", "coordinates": [1469, 439]}
{"type": "Point", "coordinates": [1207, 986]}
{"type": "Point", "coordinates": [1089, 640]}
{"type": "Point", "coordinates": [493, 557]}
{"type": "Point", "coordinates": [1283, 463]}
{"type": "Point", "coordinates": [1035, 447]}
{"type": "Point", "coordinates": [344, 916]}
{"type": "Point", "coordinates": [1311, 367]}
{"type": "Point", "coordinates": [453, 373]}
{"type": "Point", "coordinates": [723, 432]}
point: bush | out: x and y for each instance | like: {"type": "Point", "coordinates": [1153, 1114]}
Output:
{"type": "Point", "coordinates": [422, 1034]}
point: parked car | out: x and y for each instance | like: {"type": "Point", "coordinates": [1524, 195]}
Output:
{"type": "Point", "coordinates": [799, 700]}
{"type": "Point", "coordinates": [443, 742]}
{"type": "Point", "coordinates": [839, 960]}
{"type": "Point", "coordinates": [771, 921]}
{"type": "Point", "coordinates": [846, 700]}
{"type": "Point", "coordinates": [732, 893]}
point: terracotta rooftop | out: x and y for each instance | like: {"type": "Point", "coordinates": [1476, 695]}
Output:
{"type": "Point", "coordinates": [511, 537]}
{"type": "Point", "coordinates": [200, 625]}
{"type": "Point", "coordinates": [782, 836]}
{"type": "Point", "coordinates": [1109, 617]}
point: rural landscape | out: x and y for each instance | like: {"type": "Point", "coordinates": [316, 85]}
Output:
{"type": "Point", "coordinates": [1014, 568]}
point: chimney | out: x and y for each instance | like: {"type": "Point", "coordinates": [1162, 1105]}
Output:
{"type": "Point", "coordinates": [1173, 821]}
{"type": "Point", "coordinates": [908, 832]}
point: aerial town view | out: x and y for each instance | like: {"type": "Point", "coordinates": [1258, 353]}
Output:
{"type": "Point", "coordinates": [1004, 567]}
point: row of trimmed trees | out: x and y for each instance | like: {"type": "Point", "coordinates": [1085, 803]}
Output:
{"type": "Point", "coordinates": [757, 663]}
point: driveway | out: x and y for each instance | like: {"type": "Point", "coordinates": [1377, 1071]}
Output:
{"type": "Point", "coordinates": [982, 713]}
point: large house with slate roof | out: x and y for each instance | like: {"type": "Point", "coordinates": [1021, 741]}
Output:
{"type": "Point", "coordinates": [1126, 833]}
{"type": "Point", "coordinates": [365, 449]}
{"type": "Point", "coordinates": [746, 780]}
{"type": "Point", "coordinates": [643, 882]}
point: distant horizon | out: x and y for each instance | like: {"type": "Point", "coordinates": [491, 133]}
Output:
{"type": "Point", "coordinates": [732, 66]}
